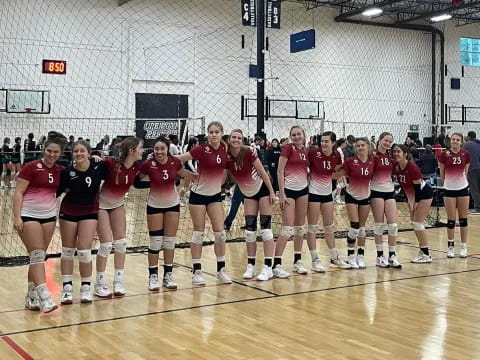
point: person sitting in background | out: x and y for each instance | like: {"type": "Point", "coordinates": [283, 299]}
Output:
{"type": "Point", "coordinates": [427, 163]}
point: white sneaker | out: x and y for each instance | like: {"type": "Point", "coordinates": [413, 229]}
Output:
{"type": "Point", "coordinates": [317, 266]}
{"type": "Point", "coordinates": [250, 272]}
{"type": "Point", "coordinates": [352, 261]}
{"type": "Point", "coordinates": [451, 252]}
{"type": "Point", "coordinates": [361, 262]}
{"type": "Point", "coordinates": [168, 281]}
{"type": "Point", "coordinates": [382, 262]}
{"type": "Point", "coordinates": [223, 277]}
{"type": "Point", "coordinates": [153, 283]}
{"type": "Point", "coordinates": [266, 273]}
{"type": "Point", "coordinates": [32, 301]}
{"type": "Point", "coordinates": [422, 258]}
{"type": "Point", "coordinates": [102, 290]}
{"type": "Point", "coordinates": [85, 294]}
{"type": "Point", "coordinates": [118, 289]}
{"type": "Point", "coordinates": [67, 295]}
{"type": "Point", "coordinates": [393, 262]}
{"type": "Point", "coordinates": [299, 268]}
{"type": "Point", "coordinates": [46, 303]}
{"type": "Point", "coordinates": [198, 279]}
{"type": "Point", "coordinates": [340, 263]}
{"type": "Point", "coordinates": [463, 251]}
{"type": "Point", "coordinates": [279, 272]}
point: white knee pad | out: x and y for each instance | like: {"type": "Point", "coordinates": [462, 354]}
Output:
{"type": "Point", "coordinates": [220, 237]}
{"type": "Point", "coordinates": [418, 226]}
{"type": "Point", "coordinates": [287, 231]}
{"type": "Point", "coordinates": [392, 229]}
{"type": "Point", "coordinates": [250, 236]}
{"type": "Point", "coordinates": [362, 232]}
{"type": "Point", "coordinates": [329, 229]}
{"type": "Point", "coordinates": [353, 233]}
{"type": "Point", "coordinates": [120, 246]}
{"type": "Point", "coordinates": [312, 229]}
{"type": "Point", "coordinates": [84, 256]}
{"type": "Point", "coordinates": [156, 243]}
{"type": "Point", "coordinates": [105, 249]}
{"type": "Point", "coordinates": [267, 234]}
{"type": "Point", "coordinates": [378, 229]}
{"type": "Point", "coordinates": [299, 230]}
{"type": "Point", "coordinates": [67, 253]}
{"type": "Point", "coordinates": [197, 237]}
{"type": "Point", "coordinates": [37, 256]}
{"type": "Point", "coordinates": [169, 242]}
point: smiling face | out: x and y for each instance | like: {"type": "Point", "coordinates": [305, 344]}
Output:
{"type": "Point", "coordinates": [236, 139]}
{"type": "Point", "coordinates": [215, 134]}
{"type": "Point", "coordinates": [137, 152]}
{"type": "Point", "coordinates": [456, 142]}
{"type": "Point", "coordinates": [52, 153]}
{"type": "Point", "coordinates": [385, 143]}
{"type": "Point", "coordinates": [80, 154]}
{"type": "Point", "coordinates": [361, 147]}
{"type": "Point", "coordinates": [399, 154]}
{"type": "Point", "coordinates": [160, 151]}
{"type": "Point", "coordinates": [326, 144]}
{"type": "Point", "coordinates": [297, 136]}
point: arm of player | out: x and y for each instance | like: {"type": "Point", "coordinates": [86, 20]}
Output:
{"type": "Point", "coordinates": [441, 166]}
{"type": "Point", "coordinates": [21, 187]}
{"type": "Point", "coordinates": [184, 157]}
{"type": "Point", "coordinates": [282, 162]}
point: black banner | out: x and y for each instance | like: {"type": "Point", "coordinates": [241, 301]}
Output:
{"type": "Point", "coordinates": [273, 14]}
{"type": "Point", "coordinates": [149, 130]}
{"type": "Point", "coordinates": [249, 13]}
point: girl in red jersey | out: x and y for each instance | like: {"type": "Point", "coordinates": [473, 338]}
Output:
{"type": "Point", "coordinates": [34, 211]}
{"type": "Point", "coordinates": [419, 195]}
{"type": "Point", "coordinates": [323, 162]}
{"type": "Point", "coordinates": [163, 210]}
{"type": "Point", "coordinates": [293, 185]}
{"type": "Point", "coordinates": [259, 197]}
{"type": "Point", "coordinates": [205, 198]}
{"type": "Point", "coordinates": [454, 164]}
{"type": "Point", "coordinates": [383, 201]}
{"type": "Point", "coordinates": [112, 223]}
{"type": "Point", "coordinates": [359, 170]}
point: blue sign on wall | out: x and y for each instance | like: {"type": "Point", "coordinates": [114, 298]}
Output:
{"type": "Point", "coordinates": [302, 41]}
{"type": "Point", "coordinates": [252, 71]}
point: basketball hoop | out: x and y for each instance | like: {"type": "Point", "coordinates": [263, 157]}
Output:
{"type": "Point", "coordinates": [28, 110]}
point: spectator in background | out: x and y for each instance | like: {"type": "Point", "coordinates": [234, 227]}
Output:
{"type": "Point", "coordinates": [174, 148]}
{"type": "Point", "coordinates": [67, 153]}
{"type": "Point", "coordinates": [103, 146]}
{"type": "Point", "coordinates": [283, 142]}
{"type": "Point", "coordinates": [473, 176]}
{"type": "Point", "coordinates": [29, 147]}
{"type": "Point", "coordinates": [39, 147]}
{"type": "Point", "coordinates": [341, 145]}
{"type": "Point", "coordinates": [348, 151]}
{"type": "Point", "coordinates": [414, 152]}
{"type": "Point", "coordinates": [437, 147]}
{"type": "Point", "coordinates": [115, 148]}
{"type": "Point", "coordinates": [273, 154]}
{"type": "Point", "coordinates": [428, 163]}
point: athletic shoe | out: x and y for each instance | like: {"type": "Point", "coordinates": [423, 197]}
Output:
{"type": "Point", "coordinates": [317, 266]}
{"type": "Point", "coordinates": [422, 258]}
{"type": "Point", "coordinates": [223, 277]}
{"type": "Point", "coordinates": [118, 289]}
{"type": "Point", "coordinates": [393, 262]}
{"type": "Point", "coordinates": [340, 263]}
{"type": "Point", "coordinates": [352, 261]}
{"type": "Point", "coordinates": [67, 295]}
{"type": "Point", "coordinates": [451, 252]}
{"type": "Point", "coordinates": [382, 262]}
{"type": "Point", "coordinates": [463, 251]}
{"type": "Point", "coordinates": [250, 272]}
{"type": "Point", "coordinates": [153, 283]}
{"type": "Point", "coordinates": [168, 281]}
{"type": "Point", "coordinates": [197, 278]}
{"type": "Point", "coordinates": [265, 274]}
{"type": "Point", "coordinates": [299, 268]}
{"type": "Point", "coordinates": [102, 290]}
{"type": "Point", "coordinates": [46, 303]}
{"type": "Point", "coordinates": [279, 272]}
{"type": "Point", "coordinates": [32, 301]}
{"type": "Point", "coordinates": [85, 294]}
{"type": "Point", "coordinates": [361, 262]}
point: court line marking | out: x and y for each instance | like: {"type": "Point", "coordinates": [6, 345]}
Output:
{"type": "Point", "coordinates": [228, 303]}
{"type": "Point", "coordinates": [17, 348]}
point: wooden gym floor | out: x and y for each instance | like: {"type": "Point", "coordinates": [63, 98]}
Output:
{"type": "Point", "coordinates": [419, 312]}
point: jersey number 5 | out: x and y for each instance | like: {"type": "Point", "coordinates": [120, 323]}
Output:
{"type": "Point", "coordinates": [50, 178]}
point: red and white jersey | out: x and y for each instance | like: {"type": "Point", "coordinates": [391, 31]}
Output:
{"type": "Point", "coordinates": [455, 163]}
{"type": "Point", "coordinates": [322, 168]}
{"type": "Point", "coordinates": [382, 176]}
{"type": "Point", "coordinates": [39, 200]}
{"type": "Point", "coordinates": [119, 179]}
{"type": "Point", "coordinates": [359, 176]}
{"type": "Point", "coordinates": [246, 177]}
{"type": "Point", "coordinates": [406, 177]}
{"type": "Point", "coordinates": [163, 193]}
{"type": "Point", "coordinates": [296, 169]}
{"type": "Point", "coordinates": [211, 167]}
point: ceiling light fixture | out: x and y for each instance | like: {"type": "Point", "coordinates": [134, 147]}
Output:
{"type": "Point", "coordinates": [442, 17]}
{"type": "Point", "coordinates": [372, 11]}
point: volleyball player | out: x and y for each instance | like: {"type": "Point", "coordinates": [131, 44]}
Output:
{"type": "Point", "coordinates": [205, 198]}
{"type": "Point", "coordinates": [112, 223]}
{"type": "Point", "coordinates": [16, 160]}
{"type": "Point", "coordinates": [359, 171]}
{"type": "Point", "coordinates": [259, 197]}
{"type": "Point", "coordinates": [78, 218]}
{"type": "Point", "coordinates": [383, 202]}
{"type": "Point", "coordinates": [323, 162]}
{"type": "Point", "coordinates": [6, 162]}
{"type": "Point", "coordinates": [34, 211]}
{"type": "Point", "coordinates": [454, 164]}
{"type": "Point", "coordinates": [293, 187]}
{"type": "Point", "coordinates": [419, 195]}
{"type": "Point", "coordinates": [163, 210]}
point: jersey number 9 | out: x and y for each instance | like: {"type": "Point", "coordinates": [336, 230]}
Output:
{"type": "Point", "coordinates": [88, 180]}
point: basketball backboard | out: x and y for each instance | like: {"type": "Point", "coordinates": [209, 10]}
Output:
{"type": "Point", "coordinates": [27, 101]}
{"type": "Point", "coordinates": [284, 108]}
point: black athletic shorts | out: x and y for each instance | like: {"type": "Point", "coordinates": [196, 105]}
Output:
{"type": "Point", "coordinates": [41, 221]}
{"type": "Point", "coordinates": [261, 193]}
{"type": "Point", "coordinates": [350, 200]}
{"type": "Point", "coordinates": [382, 195]}
{"type": "Point", "coordinates": [425, 194]}
{"type": "Point", "coordinates": [314, 198]}
{"type": "Point", "coordinates": [153, 210]}
{"type": "Point", "coordinates": [457, 193]}
{"type": "Point", "coordinates": [78, 218]}
{"type": "Point", "coordinates": [197, 199]}
{"type": "Point", "coordinates": [295, 194]}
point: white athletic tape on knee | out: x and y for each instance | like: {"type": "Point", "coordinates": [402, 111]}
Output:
{"type": "Point", "coordinates": [169, 242]}
{"type": "Point", "coordinates": [197, 237]}
{"type": "Point", "coordinates": [378, 229]}
{"type": "Point", "coordinates": [362, 232]}
{"type": "Point", "coordinates": [105, 249]}
{"type": "Point", "coordinates": [67, 253]}
{"type": "Point", "coordinates": [299, 230]}
{"type": "Point", "coordinates": [418, 226]}
{"type": "Point", "coordinates": [37, 256]}
{"type": "Point", "coordinates": [84, 256]}
{"type": "Point", "coordinates": [353, 233]}
{"type": "Point", "coordinates": [267, 234]}
{"type": "Point", "coordinates": [156, 243]}
{"type": "Point", "coordinates": [287, 231]}
{"type": "Point", "coordinates": [120, 246]}
{"type": "Point", "coordinates": [220, 237]}
{"type": "Point", "coordinates": [392, 229]}
{"type": "Point", "coordinates": [329, 229]}
{"type": "Point", "coordinates": [312, 229]}
{"type": "Point", "coordinates": [250, 236]}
